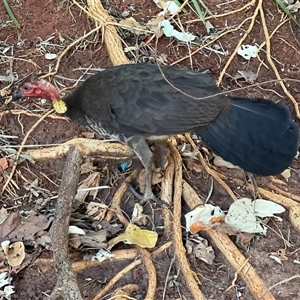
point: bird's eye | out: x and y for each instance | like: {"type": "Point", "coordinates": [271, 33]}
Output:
{"type": "Point", "coordinates": [26, 87]}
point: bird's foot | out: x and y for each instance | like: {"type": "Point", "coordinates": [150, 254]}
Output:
{"type": "Point", "coordinates": [148, 196]}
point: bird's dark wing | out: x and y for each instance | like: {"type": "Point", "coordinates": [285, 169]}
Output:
{"type": "Point", "coordinates": [138, 99]}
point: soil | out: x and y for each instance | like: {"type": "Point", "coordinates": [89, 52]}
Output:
{"type": "Point", "coordinates": [49, 27]}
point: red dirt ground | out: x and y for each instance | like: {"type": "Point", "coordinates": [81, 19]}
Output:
{"type": "Point", "coordinates": [64, 22]}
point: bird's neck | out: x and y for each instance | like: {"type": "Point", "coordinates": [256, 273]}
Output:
{"type": "Point", "coordinates": [73, 108]}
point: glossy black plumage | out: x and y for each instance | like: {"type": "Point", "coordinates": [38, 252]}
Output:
{"type": "Point", "coordinates": [255, 134]}
{"type": "Point", "coordinates": [258, 135]}
{"type": "Point", "coordinates": [136, 99]}
{"type": "Point", "coordinates": [134, 102]}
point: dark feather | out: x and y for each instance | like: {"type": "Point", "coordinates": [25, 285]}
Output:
{"type": "Point", "coordinates": [258, 135]}
{"type": "Point", "coordinates": [138, 100]}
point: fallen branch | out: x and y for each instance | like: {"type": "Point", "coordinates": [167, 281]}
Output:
{"type": "Point", "coordinates": [66, 285]}
{"type": "Point", "coordinates": [87, 146]}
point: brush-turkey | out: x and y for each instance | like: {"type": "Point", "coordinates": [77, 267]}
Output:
{"type": "Point", "coordinates": [136, 102]}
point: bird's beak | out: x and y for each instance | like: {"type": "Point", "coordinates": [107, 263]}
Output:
{"type": "Point", "coordinates": [17, 95]}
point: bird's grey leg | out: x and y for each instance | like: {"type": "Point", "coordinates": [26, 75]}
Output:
{"type": "Point", "coordinates": [143, 152]}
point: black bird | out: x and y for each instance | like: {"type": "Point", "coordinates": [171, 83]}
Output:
{"type": "Point", "coordinates": [136, 102]}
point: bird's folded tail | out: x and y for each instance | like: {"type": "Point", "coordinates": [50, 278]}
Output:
{"type": "Point", "coordinates": [256, 134]}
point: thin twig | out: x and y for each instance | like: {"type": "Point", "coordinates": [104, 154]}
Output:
{"type": "Point", "coordinates": [253, 18]}
{"type": "Point", "coordinates": [269, 58]}
{"type": "Point", "coordinates": [21, 148]}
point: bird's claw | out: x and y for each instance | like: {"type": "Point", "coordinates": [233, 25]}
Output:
{"type": "Point", "coordinates": [147, 197]}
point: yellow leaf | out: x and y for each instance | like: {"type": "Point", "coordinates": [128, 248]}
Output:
{"type": "Point", "coordinates": [120, 238]}
{"type": "Point", "coordinates": [141, 237]}
{"type": "Point", "coordinates": [135, 235]}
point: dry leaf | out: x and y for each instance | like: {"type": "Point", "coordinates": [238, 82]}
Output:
{"type": "Point", "coordinates": [141, 237]}
{"type": "Point", "coordinates": [199, 248]}
{"type": "Point", "coordinates": [137, 216]}
{"type": "Point", "coordinates": [94, 239]}
{"type": "Point", "coordinates": [245, 214]}
{"type": "Point", "coordinates": [17, 228]}
{"type": "Point", "coordinates": [132, 25]}
{"type": "Point", "coordinates": [87, 167]}
{"type": "Point", "coordinates": [42, 238]}
{"type": "Point", "coordinates": [112, 229]}
{"type": "Point", "coordinates": [74, 240]}
{"type": "Point", "coordinates": [91, 239]}
{"type": "Point", "coordinates": [91, 181]}
{"type": "Point", "coordinates": [3, 163]}
{"type": "Point", "coordinates": [9, 225]}
{"type": "Point", "coordinates": [225, 228]}
{"type": "Point", "coordinates": [196, 227]}
{"type": "Point", "coordinates": [244, 238]}
{"type": "Point", "coordinates": [15, 253]}
{"type": "Point", "coordinates": [96, 210]}
{"type": "Point", "coordinates": [286, 174]}
{"type": "Point", "coordinates": [30, 226]}
{"type": "Point", "coordinates": [153, 25]}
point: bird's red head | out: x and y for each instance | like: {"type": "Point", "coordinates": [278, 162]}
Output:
{"type": "Point", "coordinates": [38, 88]}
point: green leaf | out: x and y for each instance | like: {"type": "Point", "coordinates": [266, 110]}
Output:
{"type": "Point", "coordinates": [11, 14]}
{"type": "Point", "coordinates": [286, 11]}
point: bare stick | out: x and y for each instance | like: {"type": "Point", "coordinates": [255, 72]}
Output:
{"type": "Point", "coordinates": [66, 285]}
